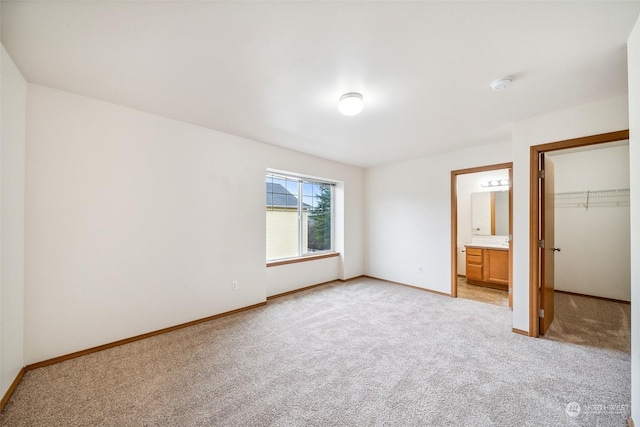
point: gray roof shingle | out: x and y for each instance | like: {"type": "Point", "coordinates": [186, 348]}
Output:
{"type": "Point", "coordinates": [280, 197]}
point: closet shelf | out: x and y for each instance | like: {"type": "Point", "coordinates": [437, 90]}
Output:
{"type": "Point", "coordinates": [596, 198]}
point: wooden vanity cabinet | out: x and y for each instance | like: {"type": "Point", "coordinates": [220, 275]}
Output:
{"type": "Point", "coordinates": [488, 267]}
{"type": "Point", "coordinates": [497, 267]}
{"type": "Point", "coordinates": [475, 264]}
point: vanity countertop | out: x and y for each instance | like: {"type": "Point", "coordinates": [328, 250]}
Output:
{"type": "Point", "coordinates": [488, 246]}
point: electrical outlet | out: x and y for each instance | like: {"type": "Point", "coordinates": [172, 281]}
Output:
{"type": "Point", "coordinates": [234, 285]}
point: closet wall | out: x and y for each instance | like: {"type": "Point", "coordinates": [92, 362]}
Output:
{"type": "Point", "coordinates": [592, 223]}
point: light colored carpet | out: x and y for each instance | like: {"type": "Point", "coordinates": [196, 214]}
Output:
{"type": "Point", "coordinates": [591, 322]}
{"type": "Point", "coordinates": [364, 352]}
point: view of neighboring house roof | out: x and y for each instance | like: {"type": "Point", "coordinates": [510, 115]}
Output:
{"type": "Point", "coordinates": [280, 197]}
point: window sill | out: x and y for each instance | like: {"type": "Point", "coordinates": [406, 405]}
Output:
{"type": "Point", "coordinates": [301, 259]}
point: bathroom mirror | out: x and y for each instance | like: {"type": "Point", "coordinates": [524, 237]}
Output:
{"type": "Point", "coordinates": [490, 213]}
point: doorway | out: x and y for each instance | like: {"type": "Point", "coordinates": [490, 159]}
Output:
{"type": "Point", "coordinates": [457, 256]}
{"type": "Point", "coordinates": [541, 249]}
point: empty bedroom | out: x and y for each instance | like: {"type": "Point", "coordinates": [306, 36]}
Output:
{"type": "Point", "coordinates": [239, 213]}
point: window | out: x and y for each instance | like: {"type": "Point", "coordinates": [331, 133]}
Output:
{"type": "Point", "coordinates": [299, 216]}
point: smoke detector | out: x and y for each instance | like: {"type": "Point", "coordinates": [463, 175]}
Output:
{"type": "Point", "coordinates": [500, 84]}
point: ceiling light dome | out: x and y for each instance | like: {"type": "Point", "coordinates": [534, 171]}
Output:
{"type": "Point", "coordinates": [350, 104]}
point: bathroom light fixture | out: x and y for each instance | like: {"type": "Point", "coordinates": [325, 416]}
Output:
{"type": "Point", "coordinates": [500, 84]}
{"type": "Point", "coordinates": [495, 183]}
{"type": "Point", "coordinates": [351, 104]}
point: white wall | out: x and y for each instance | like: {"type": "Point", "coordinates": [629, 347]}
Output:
{"type": "Point", "coordinates": [13, 89]}
{"type": "Point", "coordinates": [408, 203]}
{"type": "Point", "coordinates": [468, 184]}
{"type": "Point", "coordinates": [408, 215]}
{"type": "Point", "coordinates": [633, 53]}
{"type": "Point", "coordinates": [589, 119]}
{"type": "Point", "coordinates": [595, 242]}
{"type": "Point", "coordinates": [289, 277]}
{"type": "Point", "coordinates": [135, 222]}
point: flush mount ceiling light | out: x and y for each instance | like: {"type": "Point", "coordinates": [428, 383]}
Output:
{"type": "Point", "coordinates": [350, 104]}
{"type": "Point", "coordinates": [500, 84]}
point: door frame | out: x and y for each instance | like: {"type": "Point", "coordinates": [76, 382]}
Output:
{"type": "Point", "coordinates": [534, 211]}
{"type": "Point", "coordinates": [454, 221]}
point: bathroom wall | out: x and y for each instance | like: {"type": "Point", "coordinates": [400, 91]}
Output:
{"type": "Point", "coordinates": [467, 184]}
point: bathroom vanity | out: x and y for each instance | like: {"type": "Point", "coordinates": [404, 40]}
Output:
{"type": "Point", "coordinates": [488, 265]}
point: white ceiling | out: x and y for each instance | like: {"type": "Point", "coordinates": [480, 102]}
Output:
{"type": "Point", "coordinates": [273, 71]}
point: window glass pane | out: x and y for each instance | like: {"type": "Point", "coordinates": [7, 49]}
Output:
{"type": "Point", "coordinates": [297, 227]}
{"type": "Point", "coordinates": [307, 188]}
{"type": "Point", "coordinates": [282, 219]}
{"type": "Point", "coordinates": [292, 186]}
{"type": "Point", "coordinates": [307, 202]}
{"type": "Point", "coordinates": [319, 221]}
{"type": "Point", "coordinates": [269, 192]}
{"type": "Point", "coordinates": [279, 185]}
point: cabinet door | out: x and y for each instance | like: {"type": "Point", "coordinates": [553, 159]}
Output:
{"type": "Point", "coordinates": [497, 267]}
{"type": "Point", "coordinates": [474, 264]}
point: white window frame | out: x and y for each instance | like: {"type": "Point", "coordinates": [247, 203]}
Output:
{"type": "Point", "coordinates": [301, 179]}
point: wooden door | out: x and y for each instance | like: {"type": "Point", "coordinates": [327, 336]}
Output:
{"type": "Point", "coordinates": [547, 206]}
{"type": "Point", "coordinates": [510, 239]}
